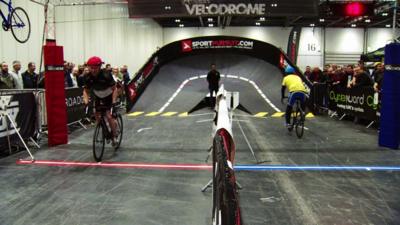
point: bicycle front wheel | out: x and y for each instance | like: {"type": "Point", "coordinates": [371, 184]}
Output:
{"type": "Point", "coordinates": [98, 142]}
{"type": "Point", "coordinates": [120, 130]}
{"type": "Point", "coordinates": [20, 25]}
{"type": "Point", "coordinates": [299, 123]}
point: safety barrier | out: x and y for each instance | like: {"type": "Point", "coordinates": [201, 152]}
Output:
{"type": "Point", "coordinates": [28, 108]}
{"type": "Point", "coordinates": [18, 114]}
{"type": "Point", "coordinates": [361, 102]}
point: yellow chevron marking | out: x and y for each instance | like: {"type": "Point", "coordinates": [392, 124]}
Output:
{"type": "Point", "coordinates": [153, 114]}
{"type": "Point", "coordinates": [168, 114]}
{"type": "Point", "coordinates": [135, 114]}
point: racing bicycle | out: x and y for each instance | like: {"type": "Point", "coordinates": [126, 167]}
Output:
{"type": "Point", "coordinates": [16, 20]}
{"type": "Point", "coordinates": [297, 119]}
{"type": "Point", "coordinates": [103, 133]}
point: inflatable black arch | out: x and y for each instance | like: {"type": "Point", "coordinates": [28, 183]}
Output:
{"type": "Point", "coordinates": [204, 45]}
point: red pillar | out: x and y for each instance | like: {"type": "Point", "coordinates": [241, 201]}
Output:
{"type": "Point", "coordinates": [55, 94]}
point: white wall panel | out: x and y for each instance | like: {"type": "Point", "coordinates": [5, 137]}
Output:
{"type": "Point", "coordinates": [379, 37]}
{"type": "Point", "coordinates": [344, 40]}
{"type": "Point", "coordinates": [11, 50]}
{"type": "Point", "coordinates": [277, 36]}
{"type": "Point", "coordinates": [106, 31]}
{"type": "Point", "coordinates": [310, 48]}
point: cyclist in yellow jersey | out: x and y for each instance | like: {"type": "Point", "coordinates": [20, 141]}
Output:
{"type": "Point", "coordinates": [296, 89]}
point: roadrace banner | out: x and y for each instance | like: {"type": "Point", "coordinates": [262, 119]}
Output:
{"type": "Point", "coordinates": [75, 105]}
{"type": "Point", "coordinates": [360, 102]}
{"type": "Point", "coordinates": [22, 110]}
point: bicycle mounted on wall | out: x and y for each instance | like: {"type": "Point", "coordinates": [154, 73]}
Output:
{"type": "Point", "coordinates": [17, 20]}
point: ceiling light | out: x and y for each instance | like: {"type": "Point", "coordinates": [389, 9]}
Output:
{"type": "Point", "coordinates": [167, 7]}
{"type": "Point", "coordinates": [211, 25]}
{"type": "Point", "coordinates": [368, 21]}
{"type": "Point", "coordinates": [321, 20]}
{"type": "Point", "coordinates": [388, 25]}
{"type": "Point", "coordinates": [258, 23]}
{"type": "Point", "coordinates": [262, 18]}
{"type": "Point", "coordinates": [181, 25]}
{"type": "Point", "coordinates": [177, 20]}
{"type": "Point", "coordinates": [274, 5]}
{"type": "Point", "coordinates": [385, 14]}
{"type": "Point", "coordinates": [210, 20]}
{"type": "Point", "coordinates": [312, 25]}
{"type": "Point", "coordinates": [353, 25]}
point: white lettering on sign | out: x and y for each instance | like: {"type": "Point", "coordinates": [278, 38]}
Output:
{"type": "Point", "coordinates": [222, 9]}
{"type": "Point", "coordinates": [12, 110]}
{"type": "Point", "coordinates": [222, 44]}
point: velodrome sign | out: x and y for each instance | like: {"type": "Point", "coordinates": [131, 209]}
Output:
{"type": "Point", "coordinates": [226, 9]}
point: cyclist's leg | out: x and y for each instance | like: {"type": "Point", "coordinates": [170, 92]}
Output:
{"type": "Point", "coordinates": [108, 104]}
{"type": "Point", "coordinates": [97, 114]}
{"type": "Point", "coordinates": [289, 108]}
{"type": "Point", "coordinates": [303, 99]}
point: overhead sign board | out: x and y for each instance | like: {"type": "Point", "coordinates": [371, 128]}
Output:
{"type": "Point", "coordinates": [226, 9]}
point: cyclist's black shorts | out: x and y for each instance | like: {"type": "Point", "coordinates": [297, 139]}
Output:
{"type": "Point", "coordinates": [103, 104]}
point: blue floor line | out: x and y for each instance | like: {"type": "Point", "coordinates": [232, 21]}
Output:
{"type": "Point", "coordinates": [314, 168]}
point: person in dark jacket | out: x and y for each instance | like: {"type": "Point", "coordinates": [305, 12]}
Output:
{"type": "Point", "coordinates": [339, 78]}
{"type": "Point", "coordinates": [307, 73]}
{"type": "Point", "coordinates": [213, 78]}
{"type": "Point", "coordinates": [30, 78]}
{"type": "Point", "coordinates": [378, 76]}
{"type": "Point", "coordinates": [315, 75]}
{"type": "Point", "coordinates": [361, 78]}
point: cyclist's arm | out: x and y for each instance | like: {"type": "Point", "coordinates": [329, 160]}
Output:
{"type": "Point", "coordinates": [114, 94]}
{"type": "Point", "coordinates": [86, 95]}
{"type": "Point", "coordinates": [283, 92]}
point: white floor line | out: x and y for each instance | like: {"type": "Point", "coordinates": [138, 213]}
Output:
{"type": "Point", "coordinates": [247, 141]}
{"type": "Point", "coordinates": [203, 121]}
{"type": "Point", "coordinates": [266, 99]}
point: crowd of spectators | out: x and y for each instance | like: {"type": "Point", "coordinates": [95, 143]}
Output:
{"type": "Point", "coordinates": [349, 76]}
{"type": "Point", "coordinates": [74, 76]}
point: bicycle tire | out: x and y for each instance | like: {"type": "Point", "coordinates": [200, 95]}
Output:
{"type": "Point", "coordinates": [120, 125]}
{"type": "Point", "coordinates": [18, 11]}
{"type": "Point", "coordinates": [293, 119]}
{"type": "Point", "coordinates": [98, 152]}
{"type": "Point", "coordinates": [300, 121]}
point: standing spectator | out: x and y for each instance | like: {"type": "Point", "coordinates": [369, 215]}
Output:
{"type": "Point", "coordinates": [315, 75]}
{"type": "Point", "coordinates": [74, 76]}
{"type": "Point", "coordinates": [361, 64]}
{"type": "Point", "coordinates": [361, 78]}
{"type": "Point", "coordinates": [17, 75]}
{"type": "Point", "coordinates": [117, 76]}
{"type": "Point", "coordinates": [125, 74]}
{"type": "Point", "coordinates": [80, 69]}
{"type": "Point", "coordinates": [30, 78]}
{"type": "Point", "coordinates": [108, 68]}
{"type": "Point", "coordinates": [213, 78]}
{"type": "Point", "coordinates": [339, 78]}
{"type": "Point", "coordinates": [67, 75]}
{"type": "Point", "coordinates": [307, 73]}
{"type": "Point", "coordinates": [378, 75]}
{"type": "Point", "coordinates": [81, 79]}
{"type": "Point", "coordinates": [6, 80]}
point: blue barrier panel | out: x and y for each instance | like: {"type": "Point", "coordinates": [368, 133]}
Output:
{"type": "Point", "coordinates": [389, 135]}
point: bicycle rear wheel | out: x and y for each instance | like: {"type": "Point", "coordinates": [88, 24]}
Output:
{"type": "Point", "coordinates": [20, 25]}
{"type": "Point", "coordinates": [98, 142]}
{"type": "Point", "coordinates": [120, 130]}
{"type": "Point", "coordinates": [299, 114]}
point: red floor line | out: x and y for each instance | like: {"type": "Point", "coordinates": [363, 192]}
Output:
{"type": "Point", "coordinates": [116, 165]}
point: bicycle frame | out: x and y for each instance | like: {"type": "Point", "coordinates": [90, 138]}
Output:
{"type": "Point", "coordinates": [7, 20]}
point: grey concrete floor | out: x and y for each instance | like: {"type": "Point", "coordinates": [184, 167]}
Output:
{"type": "Point", "coordinates": [32, 194]}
